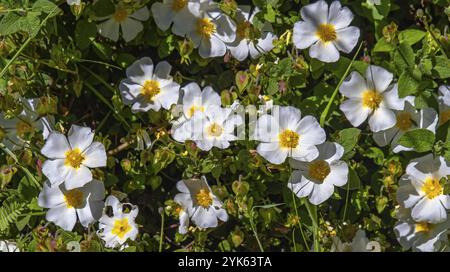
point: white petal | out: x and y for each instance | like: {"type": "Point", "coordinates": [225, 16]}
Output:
{"type": "Point", "coordinates": [55, 171]}
{"type": "Point", "coordinates": [169, 95]}
{"type": "Point", "coordinates": [80, 137]}
{"type": "Point", "coordinates": [382, 119]}
{"type": "Point", "coordinates": [85, 215]}
{"type": "Point", "coordinates": [316, 12]}
{"type": "Point", "coordinates": [325, 52]}
{"type": "Point", "coordinates": [55, 146]}
{"type": "Point", "coordinates": [338, 175]}
{"type": "Point", "coordinates": [239, 49]}
{"type": "Point", "coordinates": [288, 117]}
{"type": "Point", "coordinates": [213, 47]}
{"type": "Point", "coordinates": [109, 29]}
{"type": "Point", "coordinates": [378, 78]}
{"type": "Point", "coordinates": [62, 216]}
{"type": "Point", "coordinates": [141, 14]}
{"type": "Point", "coordinates": [129, 91]}
{"type": "Point", "coordinates": [339, 16]}
{"type": "Point", "coordinates": [311, 133]}
{"type": "Point", "coordinates": [428, 210]}
{"type": "Point", "coordinates": [272, 152]}
{"type": "Point", "coordinates": [383, 138]}
{"type": "Point", "coordinates": [304, 153]}
{"type": "Point", "coordinates": [78, 177]}
{"type": "Point", "coordinates": [162, 73]}
{"type": "Point", "coordinates": [393, 101]}
{"type": "Point", "coordinates": [95, 155]}
{"type": "Point", "coordinates": [204, 218]}
{"type": "Point", "coordinates": [225, 29]}
{"type": "Point", "coordinates": [130, 29]}
{"type": "Point", "coordinates": [140, 71]}
{"type": "Point", "coordinates": [304, 34]}
{"type": "Point", "coordinates": [163, 15]}
{"type": "Point", "coordinates": [347, 39]}
{"type": "Point", "coordinates": [354, 86]}
{"type": "Point", "coordinates": [50, 197]}
{"type": "Point", "coordinates": [320, 193]}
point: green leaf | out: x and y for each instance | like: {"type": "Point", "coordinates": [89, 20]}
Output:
{"type": "Point", "coordinates": [411, 36]}
{"type": "Point", "coordinates": [85, 32]}
{"type": "Point", "coordinates": [348, 138]}
{"type": "Point", "coordinates": [421, 140]}
{"type": "Point", "coordinates": [383, 46]}
{"type": "Point", "coordinates": [46, 6]}
{"type": "Point", "coordinates": [407, 84]}
{"type": "Point", "coordinates": [354, 182]}
{"type": "Point", "coordinates": [9, 24]}
{"type": "Point", "coordinates": [442, 67]}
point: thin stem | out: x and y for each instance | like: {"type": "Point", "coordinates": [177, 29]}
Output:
{"type": "Point", "coordinates": [161, 238]}
{"type": "Point", "coordinates": [346, 201]}
{"type": "Point", "coordinates": [252, 224]}
{"type": "Point", "coordinates": [324, 114]}
{"type": "Point", "coordinates": [312, 211]}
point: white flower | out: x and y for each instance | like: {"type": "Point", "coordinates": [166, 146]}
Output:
{"type": "Point", "coordinates": [248, 39]}
{"type": "Point", "coordinates": [130, 23]}
{"type": "Point", "coordinates": [372, 98]}
{"type": "Point", "coordinates": [202, 205]}
{"type": "Point", "coordinates": [325, 31]}
{"type": "Point", "coordinates": [316, 179]}
{"type": "Point", "coordinates": [407, 120]}
{"type": "Point", "coordinates": [7, 246]}
{"type": "Point", "coordinates": [444, 104]}
{"type": "Point", "coordinates": [360, 243]}
{"type": "Point", "coordinates": [69, 158]}
{"type": "Point", "coordinates": [194, 101]}
{"type": "Point", "coordinates": [183, 216]}
{"type": "Point", "coordinates": [115, 230]}
{"type": "Point", "coordinates": [65, 206]}
{"type": "Point", "coordinates": [209, 29]}
{"type": "Point", "coordinates": [422, 189]}
{"type": "Point", "coordinates": [420, 236]}
{"type": "Point", "coordinates": [214, 127]}
{"type": "Point", "coordinates": [285, 134]}
{"type": "Point", "coordinates": [13, 132]}
{"type": "Point", "coordinates": [73, 2]}
{"type": "Point", "coordinates": [174, 11]}
{"type": "Point", "coordinates": [147, 87]}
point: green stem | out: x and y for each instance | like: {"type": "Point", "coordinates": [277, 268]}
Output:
{"type": "Point", "coordinates": [346, 201]}
{"type": "Point", "coordinates": [324, 114]}
{"type": "Point", "coordinates": [161, 238]}
{"type": "Point", "coordinates": [312, 211]}
{"type": "Point", "coordinates": [252, 224]}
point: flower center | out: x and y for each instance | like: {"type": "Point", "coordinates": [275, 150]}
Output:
{"type": "Point", "coordinates": [23, 128]}
{"type": "Point", "coordinates": [326, 33]}
{"type": "Point", "coordinates": [215, 130]}
{"type": "Point", "coordinates": [432, 188]}
{"type": "Point", "coordinates": [74, 198]}
{"type": "Point", "coordinates": [423, 227]}
{"type": "Point", "coordinates": [195, 108]}
{"type": "Point", "coordinates": [404, 121]}
{"type": "Point", "coordinates": [444, 117]}
{"type": "Point", "coordinates": [205, 27]}
{"type": "Point", "coordinates": [372, 99]}
{"type": "Point", "coordinates": [289, 139]}
{"type": "Point", "coordinates": [204, 198]}
{"type": "Point", "coordinates": [120, 15]}
{"type": "Point", "coordinates": [244, 29]}
{"type": "Point", "coordinates": [178, 5]}
{"type": "Point", "coordinates": [150, 89]}
{"type": "Point", "coordinates": [319, 170]}
{"type": "Point", "coordinates": [121, 227]}
{"type": "Point", "coordinates": [74, 158]}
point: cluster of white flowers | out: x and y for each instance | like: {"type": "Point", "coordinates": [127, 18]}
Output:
{"type": "Point", "coordinates": [71, 192]}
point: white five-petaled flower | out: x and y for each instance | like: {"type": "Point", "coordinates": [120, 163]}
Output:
{"type": "Point", "coordinates": [147, 87]}
{"type": "Point", "coordinates": [69, 158]}
{"type": "Point", "coordinates": [325, 31]}
{"type": "Point", "coordinates": [422, 189]}
{"type": "Point", "coordinates": [444, 104]}
{"type": "Point", "coordinates": [420, 236]}
{"type": "Point", "coordinates": [7, 246]}
{"type": "Point", "coordinates": [407, 120]}
{"type": "Point", "coordinates": [360, 243]}
{"type": "Point", "coordinates": [129, 22]}
{"type": "Point", "coordinates": [115, 230]}
{"type": "Point", "coordinates": [285, 134]}
{"type": "Point", "coordinates": [65, 206]}
{"type": "Point", "coordinates": [249, 40]}
{"type": "Point", "coordinates": [316, 179]}
{"type": "Point", "coordinates": [14, 132]}
{"type": "Point", "coordinates": [183, 216]}
{"type": "Point", "coordinates": [209, 29]}
{"type": "Point", "coordinates": [202, 205]}
{"type": "Point", "coordinates": [174, 11]}
{"type": "Point", "coordinates": [373, 98]}
{"type": "Point", "coordinates": [194, 101]}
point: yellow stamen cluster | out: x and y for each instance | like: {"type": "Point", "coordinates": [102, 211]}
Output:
{"type": "Point", "coordinates": [432, 188]}
{"type": "Point", "coordinates": [120, 15]}
{"type": "Point", "coordinates": [205, 27]}
{"type": "Point", "coordinates": [74, 158]}
{"type": "Point", "coordinates": [215, 130]}
{"type": "Point", "coordinates": [372, 99]}
{"type": "Point", "coordinates": [178, 5]}
{"type": "Point", "coordinates": [244, 29]}
{"type": "Point", "coordinates": [444, 117]}
{"type": "Point", "coordinates": [150, 89]}
{"type": "Point", "coordinates": [121, 227]}
{"type": "Point", "coordinates": [404, 121]}
{"type": "Point", "coordinates": [326, 33]}
{"type": "Point", "coordinates": [74, 198]}
{"type": "Point", "coordinates": [423, 227]}
{"type": "Point", "coordinates": [319, 170]}
{"type": "Point", "coordinates": [204, 198]}
{"type": "Point", "coordinates": [288, 139]}
{"type": "Point", "coordinates": [195, 108]}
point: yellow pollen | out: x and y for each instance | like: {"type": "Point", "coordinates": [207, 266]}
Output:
{"type": "Point", "coordinates": [372, 99]}
{"type": "Point", "coordinates": [326, 33]}
{"type": "Point", "coordinates": [423, 227]}
{"type": "Point", "coordinates": [74, 158]}
{"type": "Point", "coordinates": [215, 130]}
{"type": "Point", "coordinates": [195, 108]}
{"type": "Point", "coordinates": [150, 89]}
{"type": "Point", "coordinates": [319, 170]}
{"type": "Point", "coordinates": [120, 15]}
{"type": "Point", "coordinates": [205, 27]}
{"type": "Point", "coordinates": [243, 29]}
{"type": "Point", "coordinates": [432, 188]}
{"type": "Point", "coordinates": [178, 210]}
{"type": "Point", "coordinates": [288, 139]}
{"type": "Point", "coordinates": [404, 121]}
{"type": "Point", "coordinates": [444, 117]}
{"type": "Point", "coordinates": [204, 198]}
{"type": "Point", "coordinates": [178, 5]}
{"type": "Point", "coordinates": [121, 227]}
{"type": "Point", "coordinates": [23, 128]}
{"type": "Point", "coordinates": [74, 198]}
